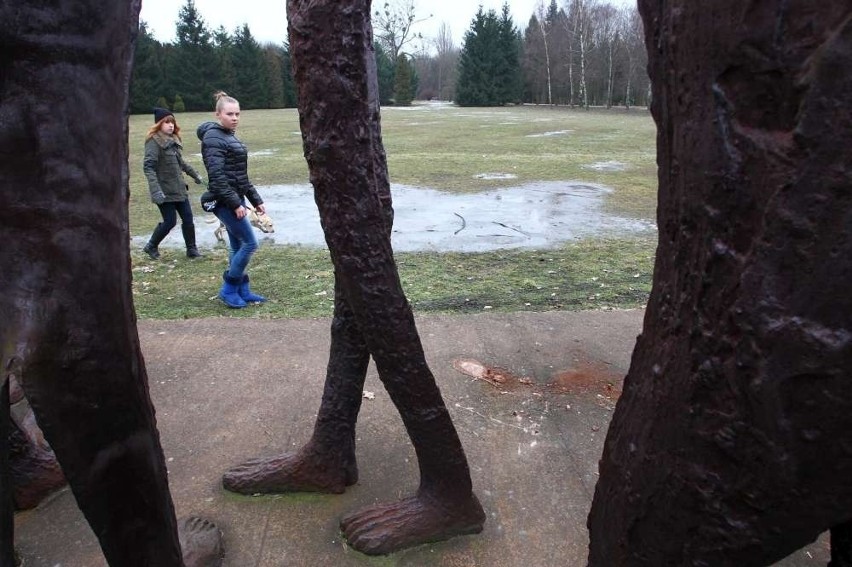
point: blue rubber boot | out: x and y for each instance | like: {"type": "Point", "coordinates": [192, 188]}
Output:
{"type": "Point", "coordinates": [230, 292]}
{"type": "Point", "coordinates": [246, 293]}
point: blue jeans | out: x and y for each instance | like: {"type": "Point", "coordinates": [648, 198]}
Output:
{"type": "Point", "coordinates": [241, 237]}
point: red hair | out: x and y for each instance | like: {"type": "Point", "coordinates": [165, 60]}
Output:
{"type": "Point", "coordinates": [156, 127]}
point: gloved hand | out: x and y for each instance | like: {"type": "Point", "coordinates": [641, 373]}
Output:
{"type": "Point", "coordinates": [159, 197]}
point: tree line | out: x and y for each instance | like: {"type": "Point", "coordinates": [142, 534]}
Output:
{"type": "Point", "coordinates": [584, 53]}
{"type": "Point", "coordinates": [184, 75]}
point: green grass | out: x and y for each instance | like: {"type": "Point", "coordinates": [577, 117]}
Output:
{"type": "Point", "coordinates": [299, 282]}
{"type": "Point", "coordinates": [442, 149]}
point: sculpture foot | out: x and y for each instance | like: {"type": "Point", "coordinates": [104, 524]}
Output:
{"type": "Point", "coordinates": [33, 467]}
{"type": "Point", "coordinates": [303, 471]}
{"type": "Point", "coordinates": [200, 542]}
{"type": "Point", "coordinates": [385, 528]}
{"type": "Point", "coordinates": [34, 478]}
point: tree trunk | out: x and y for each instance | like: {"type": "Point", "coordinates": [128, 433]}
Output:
{"type": "Point", "coordinates": [547, 62]}
{"type": "Point", "coordinates": [7, 524]}
{"type": "Point", "coordinates": [627, 91]}
{"type": "Point", "coordinates": [571, 79]}
{"type": "Point", "coordinates": [609, 77]}
{"type": "Point", "coordinates": [584, 94]}
{"type": "Point", "coordinates": [732, 441]}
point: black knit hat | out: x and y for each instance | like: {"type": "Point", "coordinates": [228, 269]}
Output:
{"type": "Point", "coordinates": [160, 113]}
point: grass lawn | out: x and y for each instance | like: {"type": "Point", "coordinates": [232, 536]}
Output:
{"type": "Point", "coordinates": [443, 148]}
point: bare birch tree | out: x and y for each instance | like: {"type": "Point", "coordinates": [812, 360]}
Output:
{"type": "Point", "coordinates": [579, 26]}
{"type": "Point", "coordinates": [447, 61]}
{"type": "Point", "coordinates": [634, 48]}
{"type": "Point", "coordinates": [607, 34]}
{"type": "Point", "coordinates": [543, 26]}
{"type": "Point", "coordinates": [392, 26]}
{"type": "Point", "coordinates": [584, 31]}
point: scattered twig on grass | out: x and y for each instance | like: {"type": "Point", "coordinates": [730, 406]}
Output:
{"type": "Point", "coordinates": [512, 228]}
{"type": "Point", "coordinates": [464, 223]}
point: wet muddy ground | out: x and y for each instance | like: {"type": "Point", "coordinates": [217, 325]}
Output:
{"type": "Point", "coordinates": [535, 215]}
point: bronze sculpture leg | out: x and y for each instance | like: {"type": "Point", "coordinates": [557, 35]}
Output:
{"type": "Point", "coordinates": [334, 67]}
{"type": "Point", "coordinates": [841, 545]}
{"type": "Point", "coordinates": [67, 325]}
{"type": "Point", "coordinates": [732, 441]}
{"type": "Point", "coordinates": [35, 471]}
{"type": "Point", "coordinates": [7, 529]}
{"type": "Point", "coordinates": [327, 462]}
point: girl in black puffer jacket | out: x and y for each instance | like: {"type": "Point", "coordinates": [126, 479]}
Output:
{"type": "Point", "coordinates": [226, 161]}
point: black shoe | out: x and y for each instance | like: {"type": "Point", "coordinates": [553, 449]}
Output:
{"type": "Point", "coordinates": [192, 252]}
{"type": "Point", "coordinates": [151, 251]}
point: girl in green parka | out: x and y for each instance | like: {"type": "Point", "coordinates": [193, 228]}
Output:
{"type": "Point", "coordinates": [163, 165]}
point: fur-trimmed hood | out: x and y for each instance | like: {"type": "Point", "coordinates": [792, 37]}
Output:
{"type": "Point", "coordinates": [166, 142]}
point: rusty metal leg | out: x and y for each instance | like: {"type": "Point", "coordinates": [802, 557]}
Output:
{"type": "Point", "coordinates": [344, 386]}
{"type": "Point", "coordinates": [7, 524]}
{"type": "Point", "coordinates": [841, 545]}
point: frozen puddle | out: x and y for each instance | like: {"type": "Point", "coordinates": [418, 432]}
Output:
{"type": "Point", "coordinates": [536, 215]}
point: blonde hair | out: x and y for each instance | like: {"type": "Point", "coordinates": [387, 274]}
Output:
{"type": "Point", "coordinates": [156, 127]}
{"type": "Point", "coordinates": [222, 98]}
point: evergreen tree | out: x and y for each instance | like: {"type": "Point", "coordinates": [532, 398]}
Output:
{"type": "Point", "coordinates": [385, 71]}
{"type": "Point", "coordinates": [250, 71]}
{"type": "Point", "coordinates": [415, 79]}
{"type": "Point", "coordinates": [223, 45]}
{"type": "Point", "coordinates": [178, 105]}
{"type": "Point", "coordinates": [489, 65]}
{"type": "Point", "coordinates": [481, 62]}
{"type": "Point", "coordinates": [287, 78]}
{"type": "Point", "coordinates": [273, 57]}
{"type": "Point", "coordinates": [536, 63]}
{"type": "Point", "coordinates": [511, 84]}
{"type": "Point", "coordinates": [403, 93]}
{"type": "Point", "coordinates": [146, 82]}
{"type": "Point", "coordinates": [192, 66]}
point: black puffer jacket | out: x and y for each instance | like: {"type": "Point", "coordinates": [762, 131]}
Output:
{"type": "Point", "coordinates": [226, 160]}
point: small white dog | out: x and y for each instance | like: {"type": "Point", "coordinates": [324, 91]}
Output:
{"type": "Point", "coordinates": [262, 222]}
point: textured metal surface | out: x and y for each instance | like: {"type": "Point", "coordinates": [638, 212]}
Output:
{"type": "Point", "coordinates": [335, 72]}
{"type": "Point", "coordinates": [732, 442]}
{"type": "Point", "coordinates": [67, 326]}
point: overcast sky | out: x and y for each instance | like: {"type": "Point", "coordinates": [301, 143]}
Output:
{"type": "Point", "coordinates": [267, 19]}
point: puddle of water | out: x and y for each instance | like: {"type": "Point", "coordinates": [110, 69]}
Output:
{"type": "Point", "coordinates": [535, 215]}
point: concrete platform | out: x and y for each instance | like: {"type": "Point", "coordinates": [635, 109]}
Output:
{"type": "Point", "coordinates": [229, 389]}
